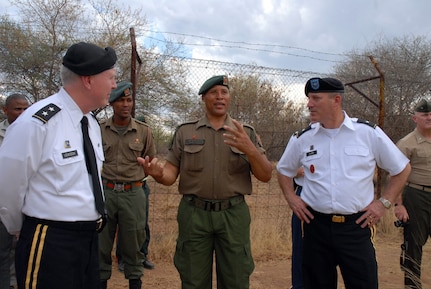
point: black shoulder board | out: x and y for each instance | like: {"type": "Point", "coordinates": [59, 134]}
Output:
{"type": "Point", "coordinates": [299, 133]}
{"type": "Point", "coordinates": [46, 112]}
{"type": "Point", "coordinates": [373, 125]}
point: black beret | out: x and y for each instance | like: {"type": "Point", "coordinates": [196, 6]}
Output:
{"type": "Point", "coordinates": [215, 80]}
{"type": "Point", "coordinates": [123, 89]}
{"type": "Point", "coordinates": [328, 84]}
{"type": "Point", "coordinates": [89, 59]}
{"type": "Point", "coordinates": [423, 106]}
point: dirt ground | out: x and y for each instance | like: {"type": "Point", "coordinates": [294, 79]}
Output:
{"type": "Point", "coordinates": [275, 274]}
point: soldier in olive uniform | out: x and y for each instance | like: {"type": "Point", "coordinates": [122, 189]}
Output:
{"type": "Point", "coordinates": [124, 139]}
{"type": "Point", "coordinates": [215, 157]}
{"type": "Point", "coordinates": [413, 207]}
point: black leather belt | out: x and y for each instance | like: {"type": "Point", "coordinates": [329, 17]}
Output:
{"type": "Point", "coordinates": [213, 205]}
{"type": "Point", "coordinates": [420, 187]}
{"type": "Point", "coordinates": [336, 218]}
{"type": "Point", "coordinates": [97, 225]}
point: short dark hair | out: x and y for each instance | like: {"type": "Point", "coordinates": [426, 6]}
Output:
{"type": "Point", "coordinates": [15, 96]}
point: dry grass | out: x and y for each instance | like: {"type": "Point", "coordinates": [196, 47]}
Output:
{"type": "Point", "coordinates": [270, 227]}
{"type": "Point", "coordinates": [271, 242]}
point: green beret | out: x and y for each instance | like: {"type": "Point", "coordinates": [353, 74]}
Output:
{"type": "Point", "coordinates": [89, 59]}
{"type": "Point", "coordinates": [215, 80]}
{"type": "Point", "coordinates": [123, 89]}
{"type": "Point", "coordinates": [423, 105]}
{"type": "Point", "coordinates": [328, 84]}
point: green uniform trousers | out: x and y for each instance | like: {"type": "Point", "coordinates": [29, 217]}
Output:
{"type": "Point", "coordinates": [201, 234]}
{"type": "Point", "coordinates": [126, 209]}
{"type": "Point", "coordinates": [416, 234]}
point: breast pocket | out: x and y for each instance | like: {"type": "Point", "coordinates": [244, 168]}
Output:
{"type": "Point", "coordinates": [100, 157]}
{"type": "Point", "coordinates": [354, 159]}
{"type": "Point", "coordinates": [68, 157]}
{"type": "Point", "coordinates": [356, 151]}
{"type": "Point", "coordinates": [193, 158]}
{"type": "Point", "coordinates": [70, 166]}
{"type": "Point", "coordinates": [238, 162]}
{"type": "Point", "coordinates": [421, 158]}
{"type": "Point", "coordinates": [136, 149]}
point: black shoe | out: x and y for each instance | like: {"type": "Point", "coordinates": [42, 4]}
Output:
{"type": "Point", "coordinates": [135, 284]}
{"type": "Point", "coordinates": [148, 265]}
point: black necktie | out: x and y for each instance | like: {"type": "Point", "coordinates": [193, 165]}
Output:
{"type": "Point", "coordinates": [90, 160]}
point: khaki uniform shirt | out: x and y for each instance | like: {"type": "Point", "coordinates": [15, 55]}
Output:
{"type": "Point", "coordinates": [3, 126]}
{"type": "Point", "coordinates": [418, 149]}
{"type": "Point", "coordinates": [121, 151]}
{"type": "Point", "coordinates": [209, 168]}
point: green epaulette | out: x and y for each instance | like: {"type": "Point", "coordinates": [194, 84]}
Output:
{"type": "Point", "coordinates": [46, 112]}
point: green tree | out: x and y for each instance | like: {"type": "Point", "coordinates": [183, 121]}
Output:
{"type": "Point", "coordinates": [32, 46]}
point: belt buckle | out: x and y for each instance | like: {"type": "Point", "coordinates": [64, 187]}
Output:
{"type": "Point", "coordinates": [338, 219]}
{"type": "Point", "coordinates": [118, 187]}
{"type": "Point", "coordinates": [99, 224]}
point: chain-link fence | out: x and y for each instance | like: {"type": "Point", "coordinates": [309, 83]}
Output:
{"type": "Point", "coordinates": [272, 100]}
{"type": "Point", "coordinates": [291, 81]}
{"type": "Point", "coordinates": [267, 203]}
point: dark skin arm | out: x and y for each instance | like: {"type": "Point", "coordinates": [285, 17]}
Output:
{"type": "Point", "coordinates": [238, 138]}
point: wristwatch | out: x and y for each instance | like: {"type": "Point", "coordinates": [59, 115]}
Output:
{"type": "Point", "coordinates": [386, 203]}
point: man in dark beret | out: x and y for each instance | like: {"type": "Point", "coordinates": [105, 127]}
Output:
{"type": "Point", "coordinates": [212, 81]}
{"type": "Point", "coordinates": [89, 59]}
{"type": "Point", "coordinates": [339, 155]}
{"type": "Point", "coordinates": [323, 85]}
{"type": "Point", "coordinates": [124, 139]}
{"type": "Point", "coordinates": [215, 156]}
{"type": "Point", "coordinates": [51, 187]}
{"type": "Point", "coordinates": [412, 207]}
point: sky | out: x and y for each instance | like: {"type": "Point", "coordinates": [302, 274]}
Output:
{"type": "Point", "coordinates": [303, 35]}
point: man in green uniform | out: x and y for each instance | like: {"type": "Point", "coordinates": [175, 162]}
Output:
{"type": "Point", "coordinates": [215, 157]}
{"type": "Point", "coordinates": [124, 139]}
{"type": "Point", "coordinates": [413, 209]}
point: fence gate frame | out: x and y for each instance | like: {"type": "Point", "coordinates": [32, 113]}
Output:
{"type": "Point", "coordinates": [380, 106]}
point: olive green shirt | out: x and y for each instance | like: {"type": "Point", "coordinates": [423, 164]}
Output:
{"type": "Point", "coordinates": [418, 150]}
{"type": "Point", "coordinates": [208, 167]}
{"type": "Point", "coordinates": [121, 151]}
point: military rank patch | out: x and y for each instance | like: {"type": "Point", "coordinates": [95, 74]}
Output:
{"type": "Point", "coordinates": [46, 112]}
